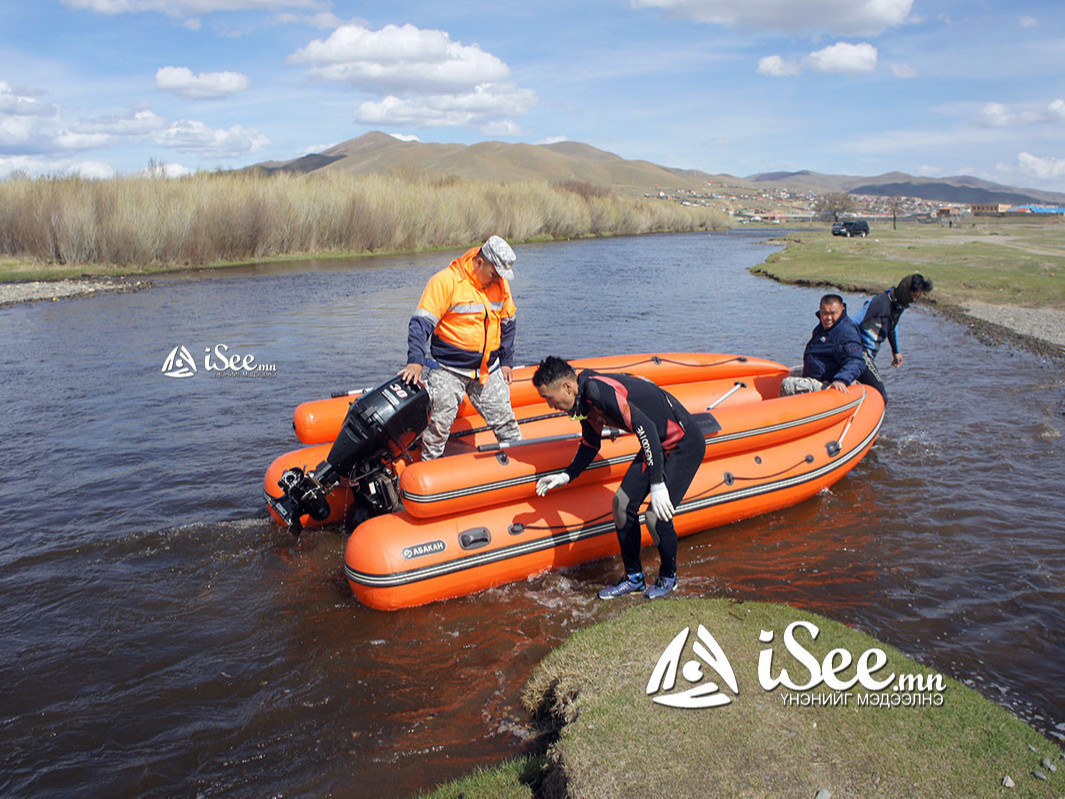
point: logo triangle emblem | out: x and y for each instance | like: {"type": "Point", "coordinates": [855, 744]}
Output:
{"type": "Point", "coordinates": [179, 363]}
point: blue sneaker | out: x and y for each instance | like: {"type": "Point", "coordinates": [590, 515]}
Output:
{"type": "Point", "coordinates": [629, 584]}
{"type": "Point", "coordinates": [662, 586]}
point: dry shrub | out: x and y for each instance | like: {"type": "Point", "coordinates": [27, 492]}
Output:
{"type": "Point", "coordinates": [211, 218]}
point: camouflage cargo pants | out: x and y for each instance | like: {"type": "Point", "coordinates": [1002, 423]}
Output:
{"type": "Point", "coordinates": [491, 399]}
{"type": "Point", "coordinates": [800, 385]}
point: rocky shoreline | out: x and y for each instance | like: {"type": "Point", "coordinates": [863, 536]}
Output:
{"type": "Point", "coordinates": [1040, 331]}
{"type": "Point", "coordinates": [1037, 330]}
{"type": "Point", "coordinates": [53, 290]}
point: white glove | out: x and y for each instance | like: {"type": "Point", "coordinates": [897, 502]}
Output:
{"type": "Point", "coordinates": [545, 484]}
{"type": "Point", "coordinates": [660, 502]}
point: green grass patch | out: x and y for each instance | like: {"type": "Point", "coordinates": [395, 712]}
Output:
{"type": "Point", "coordinates": [517, 778]}
{"type": "Point", "coordinates": [1007, 264]}
{"type": "Point", "coordinates": [613, 740]}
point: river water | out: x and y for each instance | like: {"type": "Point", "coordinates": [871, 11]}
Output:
{"type": "Point", "coordinates": [162, 637]}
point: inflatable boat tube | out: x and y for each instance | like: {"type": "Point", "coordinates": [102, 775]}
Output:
{"type": "Point", "coordinates": [398, 560]}
{"type": "Point", "coordinates": [469, 433]}
{"type": "Point", "coordinates": [466, 482]}
{"type": "Point", "coordinates": [319, 421]}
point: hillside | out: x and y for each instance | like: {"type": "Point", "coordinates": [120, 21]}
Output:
{"type": "Point", "coordinates": [504, 162]}
{"type": "Point", "coordinates": [496, 162]}
{"type": "Point", "coordinates": [958, 189]}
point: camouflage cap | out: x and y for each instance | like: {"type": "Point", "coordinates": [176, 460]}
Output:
{"type": "Point", "coordinates": [500, 255]}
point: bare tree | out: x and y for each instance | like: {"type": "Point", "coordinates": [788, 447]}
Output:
{"type": "Point", "coordinates": [894, 203]}
{"type": "Point", "coordinates": [834, 204]}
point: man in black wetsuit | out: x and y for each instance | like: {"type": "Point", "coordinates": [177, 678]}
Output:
{"type": "Point", "coordinates": [671, 448]}
{"type": "Point", "coordinates": [878, 321]}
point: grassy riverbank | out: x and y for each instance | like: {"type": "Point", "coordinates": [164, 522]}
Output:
{"type": "Point", "coordinates": [613, 740]}
{"type": "Point", "coordinates": [63, 227]}
{"type": "Point", "coordinates": [995, 261]}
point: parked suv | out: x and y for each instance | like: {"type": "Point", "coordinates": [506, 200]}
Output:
{"type": "Point", "coordinates": [857, 227]}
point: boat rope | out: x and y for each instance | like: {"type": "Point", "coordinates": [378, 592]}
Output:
{"type": "Point", "coordinates": [847, 427]}
{"type": "Point", "coordinates": [487, 427]}
{"type": "Point", "coordinates": [655, 359]}
{"type": "Point", "coordinates": [710, 437]}
{"type": "Point", "coordinates": [728, 480]}
{"type": "Point", "coordinates": [658, 359]}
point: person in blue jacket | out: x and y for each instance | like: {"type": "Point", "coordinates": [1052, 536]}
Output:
{"type": "Point", "coordinates": [833, 357]}
{"type": "Point", "coordinates": [878, 322]}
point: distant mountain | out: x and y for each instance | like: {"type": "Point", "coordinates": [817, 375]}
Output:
{"type": "Point", "coordinates": [496, 162]}
{"type": "Point", "coordinates": [958, 189]}
{"type": "Point", "coordinates": [503, 162]}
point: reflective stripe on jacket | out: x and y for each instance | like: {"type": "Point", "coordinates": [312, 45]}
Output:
{"type": "Point", "coordinates": [470, 330]}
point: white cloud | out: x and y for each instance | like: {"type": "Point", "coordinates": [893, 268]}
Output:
{"type": "Point", "coordinates": [930, 171]}
{"type": "Point", "coordinates": [1029, 22]}
{"type": "Point", "coordinates": [205, 86]}
{"type": "Point", "coordinates": [999, 115]}
{"type": "Point", "coordinates": [840, 17]}
{"type": "Point", "coordinates": [904, 71]}
{"type": "Point", "coordinates": [190, 136]}
{"type": "Point", "coordinates": [552, 140]}
{"type": "Point", "coordinates": [404, 136]}
{"type": "Point", "coordinates": [486, 107]}
{"type": "Point", "coordinates": [18, 130]}
{"type": "Point", "coordinates": [504, 127]}
{"type": "Point", "coordinates": [1048, 168]}
{"type": "Point", "coordinates": [777, 67]}
{"type": "Point", "coordinates": [12, 103]}
{"type": "Point", "coordinates": [422, 78]}
{"type": "Point", "coordinates": [37, 167]}
{"type": "Point", "coordinates": [1056, 110]}
{"type": "Point", "coordinates": [1032, 170]}
{"type": "Point", "coordinates": [843, 58]}
{"type": "Point", "coordinates": [94, 134]}
{"type": "Point", "coordinates": [399, 60]}
{"type": "Point", "coordinates": [138, 123]}
{"type": "Point", "coordinates": [69, 140]}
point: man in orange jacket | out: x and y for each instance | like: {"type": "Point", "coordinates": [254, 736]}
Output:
{"type": "Point", "coordinates": [466, 316]}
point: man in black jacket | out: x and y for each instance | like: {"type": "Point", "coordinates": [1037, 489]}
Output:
{"type": "Point", "coordinates": [833, 356]}
{"type": "Point", "coordinates": [672, 447]}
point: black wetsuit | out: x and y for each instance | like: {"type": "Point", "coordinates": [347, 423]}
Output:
{"type": "Point", "coordinates": [672, 446]}
{"type": "Point", "coordinates": [878, 321]}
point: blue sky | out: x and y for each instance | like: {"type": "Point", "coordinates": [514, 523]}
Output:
{"type": "Point", "coordinates": [858, 87]}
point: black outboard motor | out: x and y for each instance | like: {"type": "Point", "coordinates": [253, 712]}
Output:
{"type": "Point", "coordinates": [381, 428]}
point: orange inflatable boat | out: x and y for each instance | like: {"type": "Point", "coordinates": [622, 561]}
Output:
{"type": "Point", "coordinates": [471, 519]}
{"type": "Point", "coordinates": [319, 421]}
